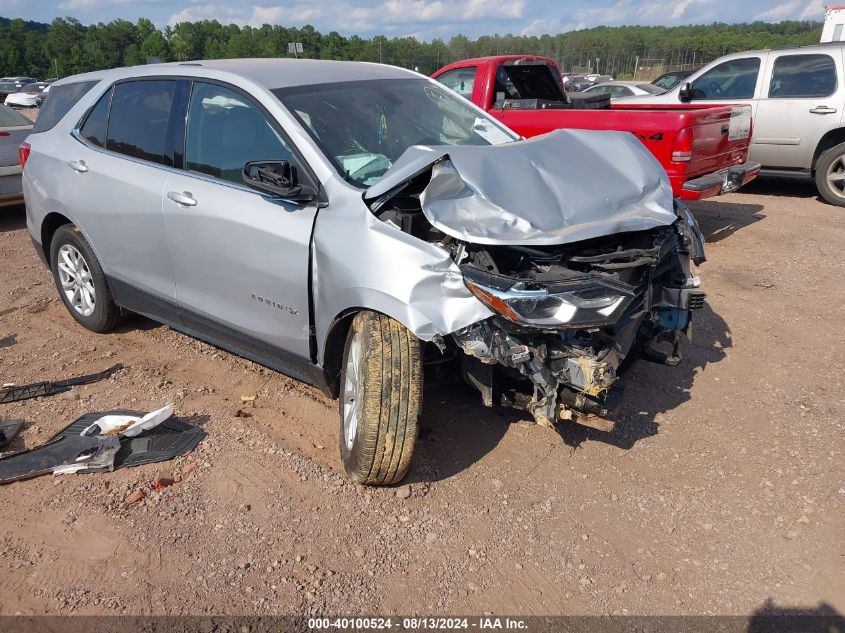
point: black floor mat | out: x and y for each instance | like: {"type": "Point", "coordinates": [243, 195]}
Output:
{"type": "Point", "coordinates": [169, 439]}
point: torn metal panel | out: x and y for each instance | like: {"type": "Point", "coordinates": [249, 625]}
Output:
{"type": "Point", "coordinates": [536, 191]}
{"type": "Point", "coordinates": [361, 262]}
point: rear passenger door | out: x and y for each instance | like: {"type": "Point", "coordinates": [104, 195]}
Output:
{"type": "Point", "coordinates": [241, 258]}
{"type": "Point", "coordinates": [802, 99]}
{"type": "Point", "coordinates": [118, 169]}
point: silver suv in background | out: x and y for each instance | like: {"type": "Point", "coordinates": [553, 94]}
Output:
{"type": "Point", "coordinates": [327, 219]}
{"type": "Point", "coordinates": [798, 101]}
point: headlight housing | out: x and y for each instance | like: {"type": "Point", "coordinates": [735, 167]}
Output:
{"type": "Point", "coordinates": [574, 305]}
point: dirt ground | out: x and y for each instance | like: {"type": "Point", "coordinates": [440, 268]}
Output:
{"type": "Point", "coordinates": [721, 491]}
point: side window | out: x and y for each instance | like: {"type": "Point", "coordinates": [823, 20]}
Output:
{"type": "Point", "coordinates": [461, 80]}
{"type": "Point", "coordinates": [59, 101]}
{"type": "Point", "coordinates": [797, 76]}
{"type": "Point", "coordinates": [734, 79]}
{"type": "Point", "coordinates": [94, 128]}
{"type": "Point", "coordinates": [138, 119]}
{"type": "Point", "coordinates": [226, 131]}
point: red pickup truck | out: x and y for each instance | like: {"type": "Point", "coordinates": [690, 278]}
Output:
{"type": "Point", "coordinates": [702, 148]}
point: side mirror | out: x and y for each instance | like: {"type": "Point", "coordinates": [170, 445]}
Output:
{"type": "Point", "coordinates": [278, 179]}
{"type": "Point", "coordinates": [685, 93]}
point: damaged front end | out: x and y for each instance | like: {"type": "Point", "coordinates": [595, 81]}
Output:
{"type": "Point", "coordinates": [571, 319]}
{"type": "Point", "coordinates": [580, 284]}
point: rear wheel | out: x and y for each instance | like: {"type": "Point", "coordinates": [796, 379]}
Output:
{"type": "Point", "coordinates": [830, 175]}
{"type": "Point", "coordinates": [380, 400]}
{"type": "Point", "coordinates": [80, 280]}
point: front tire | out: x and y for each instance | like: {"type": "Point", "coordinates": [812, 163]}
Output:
{"type": "Point", "coordinates": [80, 280]}
{"type": "Point", "coordinates": [380, 399]}
{"type": "Point", "coordinates": [830, 175]}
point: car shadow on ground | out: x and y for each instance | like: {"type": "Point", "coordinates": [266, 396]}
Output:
{"type": "Point", "coordinates": [652, 389]}
{"type": "Point", "coordinates": [774, 619]}
{"type": "Point", "coordinates": [456, 430]}
{"type": "Point", "coordinates": [12, 218]}
{"type": "Point", "coordinates": [770, 186]}
{"type": "Point", "coordinates": [719, 220]}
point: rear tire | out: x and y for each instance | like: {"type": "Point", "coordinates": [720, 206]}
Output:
{"type": "Point", "coordinates": [380, 399]}
{"type": "Point", "coordinates": [80, 280]}
{"type": "Point", "coordinates": [830, 175]}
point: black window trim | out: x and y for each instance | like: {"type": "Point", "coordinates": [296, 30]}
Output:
{"type": "Point", "coordinates": [181, 131]}
{"type": "Point", "coordinates": [779, 57]}
{"type": "Point", "coordinates": [88, 111]}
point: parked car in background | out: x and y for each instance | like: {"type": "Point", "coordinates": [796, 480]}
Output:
{"type": "Point", "coordinates": [669, 80]}
{"type": "Point", "coordinates": [27, 97]}
{"type": "Point", "coordinates": [325, 218]}
{"type": "Point", "coordinates": [798, 99]}
{"type": "Point", "coordinates": [703, 149]}
{"type": "Point", "coordinates": [619, 89]}
{"type": "Point", "coordinates": [576, 83]}
{"type": "Point", "coordinates": [14, 128]}
{"type": "Point", "coordinates": [9, 85]}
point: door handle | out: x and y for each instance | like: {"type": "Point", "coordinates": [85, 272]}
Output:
{"type": "Point", "coordinates": [78, 165]}
{"type": "Point", "coordinates": [185, 198]}
{"type": "Point", "coordinates": [823, 110]}
{"type": "Point", "coordinates": [726, 129]}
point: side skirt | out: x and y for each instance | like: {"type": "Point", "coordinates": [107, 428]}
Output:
{"type": "Point", "coordinates": [219, 335]}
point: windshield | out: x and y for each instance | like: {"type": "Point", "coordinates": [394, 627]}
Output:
{"type": "Point", "coordinates": [364, 126]}
{"type": "Point", "coordinates": [8, 86]}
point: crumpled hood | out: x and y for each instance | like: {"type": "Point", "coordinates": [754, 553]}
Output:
{"type": "Point", "coordinates": [564, 186]}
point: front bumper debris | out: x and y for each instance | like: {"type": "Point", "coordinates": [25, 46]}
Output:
{"type": "Point", "coordinates": [572, 372]}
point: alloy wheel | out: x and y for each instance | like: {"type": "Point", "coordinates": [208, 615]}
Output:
{"type": "Point", "coordinates": [77, 282]}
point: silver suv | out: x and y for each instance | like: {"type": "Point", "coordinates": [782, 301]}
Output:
{"type": "Point", "coordinates": [348, 223]}
{"type": "Point", "coordinates": [797, 97]}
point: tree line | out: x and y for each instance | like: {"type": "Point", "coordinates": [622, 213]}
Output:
{"type": "Point", "coordinates": [66, 46]}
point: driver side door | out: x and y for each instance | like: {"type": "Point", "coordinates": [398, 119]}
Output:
{"type": "Point", "coordinates": [738, 80]}
{"type": "Point", "coordinates": [240, 258]}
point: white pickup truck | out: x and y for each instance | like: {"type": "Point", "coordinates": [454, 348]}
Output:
{"type": "Point", "coordinates": [798, 100]}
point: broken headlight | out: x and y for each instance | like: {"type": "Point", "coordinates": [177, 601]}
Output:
{"type": "Point", "coordinates": [576, 305]}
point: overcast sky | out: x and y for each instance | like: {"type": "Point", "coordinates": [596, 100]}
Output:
{"type": "Point", "coordinates": [423, 19]}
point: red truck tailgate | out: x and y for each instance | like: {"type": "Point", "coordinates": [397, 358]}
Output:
{"type": "Point", "coordinates": [707, 139]}
{"type": "Point", "coordinates": [691, 142]}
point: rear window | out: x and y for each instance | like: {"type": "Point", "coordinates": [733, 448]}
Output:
{"type": "Point", "coordinates": [10, 118]}
{"type": "Point", "coordinates": [797, 76]}
{"type": "Point", "coordinates": [58, 103]}
{"type": "Point", "coordinates": [140, 111]}
{"type": "Point", "coordinates": [528, 81]}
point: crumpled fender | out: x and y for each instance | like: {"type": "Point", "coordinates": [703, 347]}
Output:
{"type": "Point", "coordinates": [373, 265]}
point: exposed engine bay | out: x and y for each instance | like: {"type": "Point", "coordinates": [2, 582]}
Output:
{"type": "Point", "coordinates": [570, 318]}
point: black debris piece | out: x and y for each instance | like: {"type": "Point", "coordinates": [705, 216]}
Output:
{"type": "Point", "coordinates": [8, 430]}
{"type": "Point", "coordinates": [169, 439]}
{"type": "Point", "coordinates": [49, 388]}
{"type": "Point", "coordinates": [68, 451]}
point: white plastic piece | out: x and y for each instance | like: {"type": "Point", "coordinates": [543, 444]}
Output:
{"type": "Point", "coordinates": [149, 421]}
{"type": "Point", "coordinates": [129, 425]}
